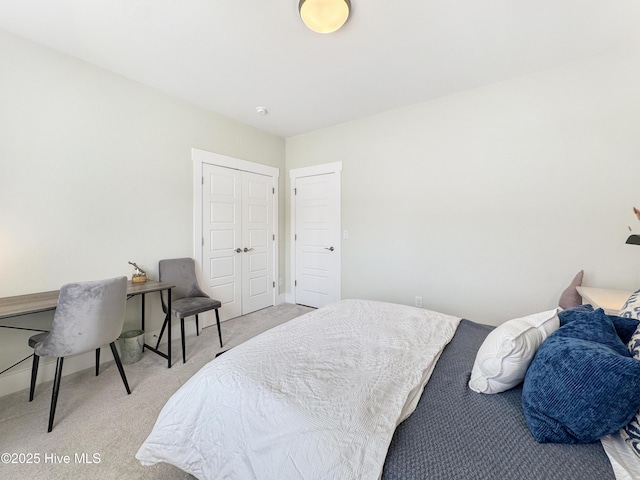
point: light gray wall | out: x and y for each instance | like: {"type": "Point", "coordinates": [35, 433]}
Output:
{"type": "Point", "coordinates": [96, 170]}
{"type": "Point", "coordinates": [486, 203]}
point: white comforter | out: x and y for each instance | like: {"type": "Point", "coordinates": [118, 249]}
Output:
{"type": "Point", "coordinates": [318, 397]}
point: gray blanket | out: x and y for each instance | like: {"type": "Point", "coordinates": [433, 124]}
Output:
{"type": "Point", "coordinates": [458, 434]}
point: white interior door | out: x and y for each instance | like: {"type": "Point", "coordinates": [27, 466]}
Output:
{"type": "Point", "coordinates": [317, 239]}
{"type": "Point", "coordinates": [222, 233]}
{"type": "Point", "coordinates": [257, 242]}
{"type": "Point", "coordinates": [238, 250]}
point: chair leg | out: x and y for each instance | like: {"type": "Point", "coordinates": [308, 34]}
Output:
{"type": "Point", "coordinates": [116, 357]}
{"type": "Point", "coordinates": [54, 394]}
{"type": "Point", "coordinates": [97, 361]}
{"type": "Point", "coordinates": [197, 327]}
{"type": "Point", "coordinates": [218, 322]}
{"type": "Point", "coordinates": [184, 355]}
{"type": "Point", "coordinates": [34, 374]}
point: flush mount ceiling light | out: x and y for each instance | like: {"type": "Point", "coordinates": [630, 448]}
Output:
{"type": "Point", "coordinates": [324, 16]}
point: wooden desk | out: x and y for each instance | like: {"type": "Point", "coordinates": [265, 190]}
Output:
{"type": "Point", "coordinates": [28, 304]}
{"type": "Point", "coordinates": [610, 300]}
{"type": "Point", "coordinates": [20, 305]}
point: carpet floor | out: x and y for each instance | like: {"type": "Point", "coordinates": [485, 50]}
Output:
{"type": "Point", "coordinates": [98, 428]}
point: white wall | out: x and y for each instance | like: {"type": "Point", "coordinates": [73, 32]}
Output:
{"type": "Point", "coordinates": [486, 203]}
{"type": "Point", "coordinates": [96, 170]}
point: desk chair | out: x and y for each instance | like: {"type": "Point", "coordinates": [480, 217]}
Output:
{"type": "Point", "coordinates": [187, 298]}
{"type": "Point", "coordinates": [89, 315]}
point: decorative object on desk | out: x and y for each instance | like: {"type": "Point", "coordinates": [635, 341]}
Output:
{"type": "Point", "coordinates": [570, 296]}
{"type": "Point", "coordinates": [139, 275]}
{"type": "Point", "coordinates": [131, 345]}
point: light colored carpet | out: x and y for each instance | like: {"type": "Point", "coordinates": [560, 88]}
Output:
{"type": "Point", "coordinates": [98, 428]}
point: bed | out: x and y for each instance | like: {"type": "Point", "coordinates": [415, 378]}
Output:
{"type": "Point", "coordinates": [359, 390]}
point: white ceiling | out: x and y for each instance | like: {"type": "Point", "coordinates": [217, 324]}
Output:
{"type": "Point", "coordinates": [232, 56]}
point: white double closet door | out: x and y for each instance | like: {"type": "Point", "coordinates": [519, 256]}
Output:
{"type": "Point", "coordinates": [238, 232]}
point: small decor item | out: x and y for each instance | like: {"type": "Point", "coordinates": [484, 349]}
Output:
{"type": "Point", "coordinates": [633, 238]}
{"type": "Point", "coordinates": [139, 275]}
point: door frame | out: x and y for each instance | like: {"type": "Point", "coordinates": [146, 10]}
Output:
{"type": "Point", "coordinates": [199, 158]}
{"type": "Point", "coordinates": [295, 173]}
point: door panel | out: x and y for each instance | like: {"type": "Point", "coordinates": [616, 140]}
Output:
{"type": "Point", "coordinates": [222, 202]}
{"type": "Point", "coordinates": [317, 240]}
{"type": "Point", "coordinates": [257, 234]}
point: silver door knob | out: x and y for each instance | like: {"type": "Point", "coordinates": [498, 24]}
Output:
{"type": "Point", "coordinates": [331, 249]}
{"type": "Point", "coordinates": [238, 250]}
{"type": "Point", "coordinates": [247, 249]}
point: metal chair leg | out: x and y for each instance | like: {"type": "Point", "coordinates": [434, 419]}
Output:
{"type": "Point", "coordinates": [219, 332]}
{"type": "Point", "coordinates": [197, 327]}
{"type": "Point", "coordinates": [34, 374]}
{"type": "Point", "coordinates": [184, 355]}
{"type": "Point", "coordinates": [116, 357]}
{"type": "Point", "coordinates": [97, 361]}
{"type": "Point", "coordinates": [56, 390]}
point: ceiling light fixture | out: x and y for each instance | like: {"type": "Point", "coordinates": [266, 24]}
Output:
{"type": "Point", "coordinates": [324, 16]}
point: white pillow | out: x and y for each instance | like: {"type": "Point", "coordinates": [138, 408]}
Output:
{"type": "Point", "coordinates": [505, 355]}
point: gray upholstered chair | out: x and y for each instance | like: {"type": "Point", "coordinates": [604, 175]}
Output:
{"type": "Point", "coordinates": [88, 316]}
{"type": "Point", "coordinates": [187, 298]}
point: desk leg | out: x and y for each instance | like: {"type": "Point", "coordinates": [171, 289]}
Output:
{"type": "Point", "coordinates": [167, 321]}
{"type": "Point", "coordinates": [169, 325]}
{"type": "Point", "coordinates": [142, 318]}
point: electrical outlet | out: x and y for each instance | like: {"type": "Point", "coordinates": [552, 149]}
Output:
{"type": "Point", "coordinates": [418, 301]}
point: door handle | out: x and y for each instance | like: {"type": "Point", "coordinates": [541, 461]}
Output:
{"type": "Point", "coordinates": [238, 250]}
{"type": "Point", "coordinates": [247, 249]}
{"type": "Point", "coordinates": [331, 249]}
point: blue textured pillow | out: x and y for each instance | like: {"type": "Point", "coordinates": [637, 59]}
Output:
{"type": "Point", "coordinates": [582, 384]}
{"type": "Point", "coordinates": [625, 327]}
{"type": "Point", "coordinates": [571, 314]}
